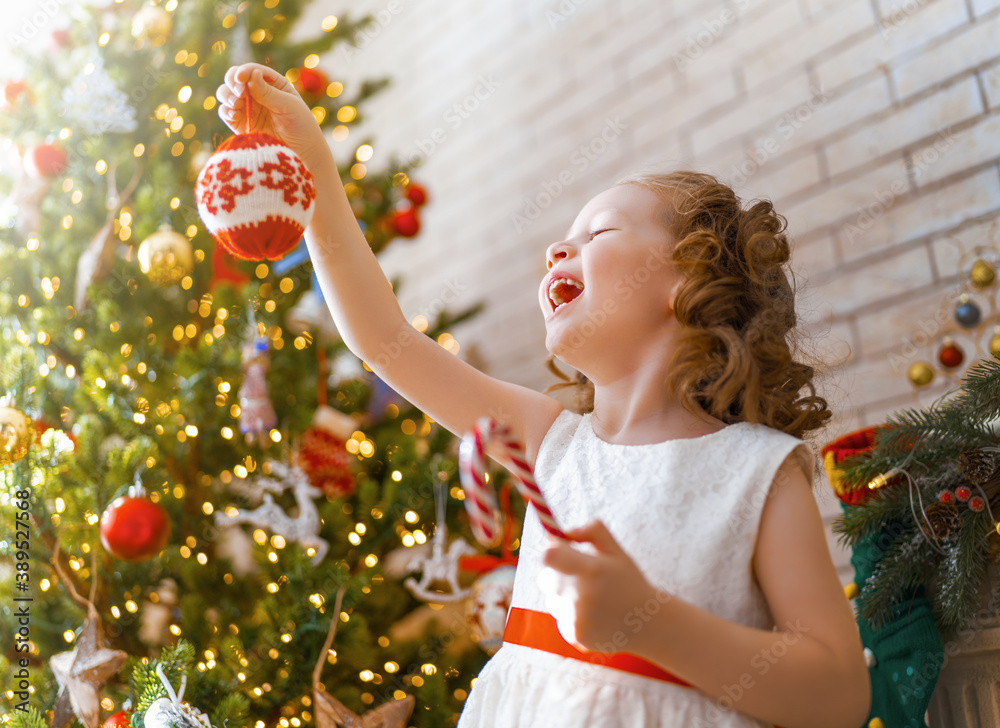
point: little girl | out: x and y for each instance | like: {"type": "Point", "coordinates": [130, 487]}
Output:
{"type": "Point", "coordinates": [696, 588]}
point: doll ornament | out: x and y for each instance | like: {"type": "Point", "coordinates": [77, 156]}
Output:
{"type": "Point", "coordinates": [257, 415]}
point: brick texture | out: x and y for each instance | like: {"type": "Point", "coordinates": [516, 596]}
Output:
{"type": "Point", "coordinates": [872, 124]}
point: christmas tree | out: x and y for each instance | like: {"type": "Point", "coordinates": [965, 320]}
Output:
{"type": "Point", "coordinates": [205, 490]}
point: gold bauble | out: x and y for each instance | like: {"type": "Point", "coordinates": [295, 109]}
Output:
{"type": "Point", "coordinates": [983, 274]}
{"type": "Point", "coordinates": [152, 23]}
{"type": "Point", "coordinates": [995, 345]}
{"type": "Point", "coordinates": [166, 257]}
{"type": "Point", "coordinates": [920, 374]}
{"type": "Point", "coordinates": [16, 434]}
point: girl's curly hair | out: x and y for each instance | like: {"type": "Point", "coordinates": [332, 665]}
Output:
{"type": "Point", "coordinates": [736, 307]}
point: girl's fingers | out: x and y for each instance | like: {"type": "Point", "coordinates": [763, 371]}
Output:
{"type": "Point", "coordinates": [596, 533]}
{"type": "Point", "coordinates": [276, 79]}
{"type": "Point", "coordinates": [564, 558]}
{"type": "Point", "coordinates": [244, 71]}
{"type": "Point", "coordinates": [225, 95]}
{"type": "Point", "coordinates": [231, 75]}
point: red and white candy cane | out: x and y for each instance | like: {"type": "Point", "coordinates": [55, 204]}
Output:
{"type": "Point", "coordinates": [480, 498]}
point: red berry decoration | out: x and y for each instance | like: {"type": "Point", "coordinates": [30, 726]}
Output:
{"type": "Point", "coordinates": [963, 492]}
{"type": "Point", "coordinates": [946, 496]}
{"type": "Point", "coordinates": [976, 503]}
{"type": "Point", "coordinates": [255, 196]}
{"type": "Point", "coordinates": [133, 528]}
{"type": "Point", "coordinates": [405, 222]}
{"type": "Point", "coordinates": [416, 194]}
{"type": "Point", "coordinates": [45, 161]}
{"type": "Point", "coordinates": [12, 90]}
{"type": "Point", "coordinates": [312, 81]}
{"type": "Point", "coordinates": [121, 719]}
{"type": "Point", "coordinates": [950, 355]}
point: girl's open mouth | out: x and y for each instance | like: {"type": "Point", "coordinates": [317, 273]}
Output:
{"type": "Point", "coordinates": [563, 291]}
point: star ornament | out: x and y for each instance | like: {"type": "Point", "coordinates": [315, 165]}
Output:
{"type": "Point", "coordinates": [331, 713]}
{"type": "Point", "coordinates": [82, 672]}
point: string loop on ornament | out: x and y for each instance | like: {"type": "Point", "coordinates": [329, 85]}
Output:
{"type": "Point", "coordinates": [175, 697]}
{"type": "Point", "coordinates": [440, 504]}
{"type": "Point", "coordinates": [137, 489]}
{"type": "Point", "coordinates": [249, 106]}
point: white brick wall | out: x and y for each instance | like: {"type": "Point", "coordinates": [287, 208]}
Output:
{"type": "Point", "coordinates": [872, 124]}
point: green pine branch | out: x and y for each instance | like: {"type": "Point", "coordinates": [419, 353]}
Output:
{"type": "Point", "coordinates": [176, 661]}
{"type": "Point", "coordinates": [887, 506]}
{"type": "Point", "coordinates": [961, 573]}
{"type": "Point", "coordinates": [898, 573]}
{"type": "Point", "coordinates": [31, 718]}
{"type": "Point", "coordinates": [979, 396]}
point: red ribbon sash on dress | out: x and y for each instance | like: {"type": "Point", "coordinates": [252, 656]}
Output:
{"type": "Point", "coordinates": [529, 628]}
{"type": "Point", "coordinates": [538, 630]}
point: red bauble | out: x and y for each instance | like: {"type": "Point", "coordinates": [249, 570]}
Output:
{"type": "Point", "coordinates": [323, 456]}
{"type": "Point", "coordinates": [255, 196]}
{"type": "Point", "coordinates": [45, 161]}
{"type": "Point", "coordinates": [59, 40]}
{"type": "Point", "coordinates": [416, 194]}
{"type": "Point", "coordinates": [121, 719]}
{"type": "Point", "coordinates": [12, 90]}
{"type": "Point", "coordinates": [134, 529]}
{"type": "Point", "coordinates": [312, 81]}
{"type": "Point", "coordinates": [405, 222]}
{"type": "Point", "coordinates": [963, 492]}
{"type": "Point", "coordinates": [951, 356]}
{"type": "Point", "coordinates": [946, 496]}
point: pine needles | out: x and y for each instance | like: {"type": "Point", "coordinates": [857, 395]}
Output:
{"type": "Point", "coordinates": [920, 454]}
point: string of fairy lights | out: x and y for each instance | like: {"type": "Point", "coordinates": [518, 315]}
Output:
{"type": "Point", "coordinates": [182, 136]}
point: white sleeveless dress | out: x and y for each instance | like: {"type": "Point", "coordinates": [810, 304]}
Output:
{"type": "Point", "coordinates": [687, 512]}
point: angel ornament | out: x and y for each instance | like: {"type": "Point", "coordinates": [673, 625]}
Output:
{"type": "Point", "coordinates": [302, 528]}
{"type": "Point", "coordinates": [442, 566]}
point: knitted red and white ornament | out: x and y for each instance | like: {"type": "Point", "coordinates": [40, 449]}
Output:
{"type": "Point", "coordinates": [255, 195]}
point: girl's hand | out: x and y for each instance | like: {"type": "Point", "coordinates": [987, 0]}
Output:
{"type": "Point", "coordinates": [603, 599]}
{"type": "Point", "coordinates": [276, 108]}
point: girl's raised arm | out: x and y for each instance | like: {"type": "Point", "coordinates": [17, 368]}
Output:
{"type": "Point", "coordinates": [359, 295]}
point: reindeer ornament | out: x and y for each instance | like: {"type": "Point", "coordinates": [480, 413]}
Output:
{"type": "Point", "coordinates": [303, 528]}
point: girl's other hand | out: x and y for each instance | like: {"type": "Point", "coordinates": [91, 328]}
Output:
{"type": "Point", "coordinates": [276, 108]}
{"type": "Point", "coordinates": [604, 599]}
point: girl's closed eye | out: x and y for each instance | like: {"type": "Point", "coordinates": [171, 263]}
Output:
{"type": "Point", "coordinates": [598, 232]}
